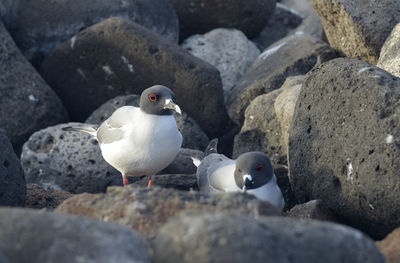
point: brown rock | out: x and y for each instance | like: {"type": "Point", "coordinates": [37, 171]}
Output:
{"type": "Point", "coordinates": [38, 197]}
{"type": "Point", "coordinates": [147, 209]}
{"type": "Point", "coordinates": [390, 247]}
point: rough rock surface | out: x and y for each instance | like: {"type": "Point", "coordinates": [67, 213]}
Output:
{"type": "Point", "coordinates": [314, 209]}
{"type": "Point", "coordinates": [228, 50]}
{"type": "Point", "coordinates": [293, 55]}
{"type": "Point", "coordinates": [147, 209]}
{"type": "Point", "coordinates": [358, 28]}
{"type": "Point", "coordinates": [193, 135]}
{"type": "Point", "coordinates": [3, 259]}
{"type": "Point", "coordinates": [389, 58]}
{"type": "Point", "coordinates": [390, 246]}
{"type": "Point", "coordinates": [183, 182]}
{"type": "Point", "coordinates": [267, 122]}
{"type": "Point", "coordinates": [39, 26]}
{"type": "Point", "coordinates": [38, 197]}
{"type": "Point", "coordinates": [27, 103]}
{"type": "Point", "coordinates": [118, 57]}
{"type": "Point", "coordinates": [12, 179]}
{"type": "Point", "coordinates": [282, 179]}
{"type": "Point", "coordinates": [7, 9]}
{"type": "Point", "coordinates": [221, 237]}
{"type": "Point", "coordinates": [304, 7]}
{"type": "Point", "coordinates": [281, 23]}
{"type": "Point", "coordinates": [312, 26]}
{"type": "Point", "coordinates": [67, 161]}
{"type": "Point", "coordinates": [344, 144]}
{"type": "Point", "coordinates": [199, 16]}
{"type": "Point", "coordinates": [27, 234]}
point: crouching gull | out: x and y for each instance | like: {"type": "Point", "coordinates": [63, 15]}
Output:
{"type": "Point", "coordinates": [251, 172]}
{"type": "Point", "coordinates": [139, 141]}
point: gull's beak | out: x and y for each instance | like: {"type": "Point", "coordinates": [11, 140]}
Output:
{"type": "Point", "coordinates": [169, 104]}
{"type": "Point", "coordinates": [247, 180]}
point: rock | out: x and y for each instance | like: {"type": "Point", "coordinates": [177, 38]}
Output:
{"type": "Point", "coordinates": [343, 144]}
{"type": "Point", "coordinates": [193, 135]}
{"type": "Point", "coordinates": [3, 258]}
{"type": "Point", "coordinates": [183, 163]}
{"type": "Point", "coordinates": [27, 103]}
{"type": "Point", "coordinates": [283, 21]}
{"type": "Point", "coordinates": [314, 209]}
{"type": "Point", "coordinates": [358, 28]}
{"type": "Point", "coordinates": [95, 66]}
{"type": "Point", "coordinates": [389, 58]}
{"type": "Point", "coordinates": [199, 17]}
{"type": "Point", "coordinates": [267, 122]}
{"type": "Point", "coordinates": [12, 179]}
{"type": "Point", "coordinates": [282, 179]}
{"type": "Point", "coordinates": [183, 182]}
{"type": "Point", "coordinates": [7, 9]}
{"type": "Point", "coordinates": [38, 197]}
{"type": "Point", "coordinates": [293, 55]}
{"type": "Point", "coordinates": [390, 246]}
{"type": "Point", "coordinates": [228, 50]}
{"type": "Point", "coordinates": [304, 7]}
{"type": "Point", "coordinates": [52, 237]}
{"type": "Point", "coordinates": [311, 26]}
{"type": "Point", "coordinates": [261, 130]}
{"type": "Point", "coordinates": [221, 237]}
{"type": "Point", "coordinates": [147, 209]}
{"type": "Point", "coordinates": [39, 26]}
{"type": "Point", "coordinates": [67, 161]}
{"type": "Point", "coordinates": [285, 104]}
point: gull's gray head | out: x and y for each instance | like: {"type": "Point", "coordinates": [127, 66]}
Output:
{"type": "Point", "coordinates": [158, 100]}
{"type": "Point", "coordinates": [252, 170]}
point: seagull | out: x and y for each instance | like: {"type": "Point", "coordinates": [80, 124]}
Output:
{"type": "Point", "coordinates": [139, 141]}
{"type": "Point", "coordinates": [251, 172]}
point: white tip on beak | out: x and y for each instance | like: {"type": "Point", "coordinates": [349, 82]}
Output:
{"type": "Point", "coordinates": [248, 177]}
{"type": "Point", "coordinates": [169, 104]}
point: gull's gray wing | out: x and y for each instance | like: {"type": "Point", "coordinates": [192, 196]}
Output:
{"type": "Point", "coordinates": [110, 130]}
{"type": "Point", "coordinates": [207, 179]}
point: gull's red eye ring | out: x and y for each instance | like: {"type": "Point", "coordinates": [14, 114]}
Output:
{"type": "Point", "coordinates": [260, 168]}
{"type": "Point", "coordinates": [152, 97]}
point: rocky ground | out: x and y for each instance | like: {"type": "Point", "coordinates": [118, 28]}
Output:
{"type": "Point", "coordinates": [315, 84]}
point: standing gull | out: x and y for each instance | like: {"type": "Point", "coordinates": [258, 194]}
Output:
{"type": "Point", "coordinates": [139, 141]}
{"type": "Point", "coordinates": [251, 172]}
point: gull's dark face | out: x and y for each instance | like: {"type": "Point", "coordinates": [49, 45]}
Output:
{"type": "Point", "coordinates": [252, 170]}
{"type": "Point", "coordinates": [158, 100]}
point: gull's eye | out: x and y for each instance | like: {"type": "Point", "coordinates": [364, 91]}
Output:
{"type": "Point", "coordinates": [152, 97]}
{"type": "Point", "coordinates": [260, 168]}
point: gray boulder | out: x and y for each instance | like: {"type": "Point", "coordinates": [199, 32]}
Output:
{"type": "Point", "coordinates": [311, 26]}
{"type": "Point", "coordinates": [281, 23]}
{"type": "Point", "coordinates": [199, 16]}
{"type": "Point", "coordinates": [67, 161]}
{"type": "Point", "coordinates": [314, 209]}
{"type": "Point", "coordinates": [293, 55]}
{"type": "Point", "coordinates": [358, 28]}
{"type": "Point", "coordinates": [3, 259]}
{"type": "Point", "coordinates": [7, 10]}
{"type": "Point", "coordinates": [12, 179]}
{"type": "Point", "coordinates": [119, 57]}
{"type": "Point", "coordinates": [35, 236]}
{"type": "Point", "coordinates": [183, 163]}
{"type": "Point", "coordinates": [267, 122]}
{"type": "Point", "coordinates": [344, 144]}
{"type": "Point", "coordinates": [221, 237]}
{"type": "Point", "coordinates": [39, 26]}
{"type": "Point", "coordinates": [304, 7]}
{"type": "Point", "coordinates": [147, 209]}
{"type": "Point", "coordinates": [27, 103]}
{"type": "Point", "coordinates": [389, 59]}
{"type": "Point", "coordinates": [193, 135]}
{"type": "Point", "coordinates": [228, 50]}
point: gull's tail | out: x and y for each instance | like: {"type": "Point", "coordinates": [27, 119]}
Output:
{"type": "Point", "coordinates": [86, 128]}
{"type": "Point", "coordinates": [211, 148]}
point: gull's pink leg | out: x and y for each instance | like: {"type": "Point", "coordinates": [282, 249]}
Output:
{"type": "Point", "coordinates": [150, 183]}
{"type": "Point", "coordinates": [125, 180]}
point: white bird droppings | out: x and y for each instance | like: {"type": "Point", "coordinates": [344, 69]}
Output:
{"type": "Point", "coordinates": [126, 61]}
{"type": "Point", "coordinates": [107, 70]}
{"type": "Point", "coordinates": [284, 7]}
{"type": "Point", "coordinates": [364, 69]}
{"type": "Point", "coordinates": [349, 170]}
{"type": "Point", "coordinates": [389, 139]}
{"type": "Point", "coordinates": [32, 98]}
{"type": "Point", "coordinates": [271, 51]}
{"type": "Point", "coordinates": [73, 39]}
{"type": "Point", "coordinates": [251, 117]}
